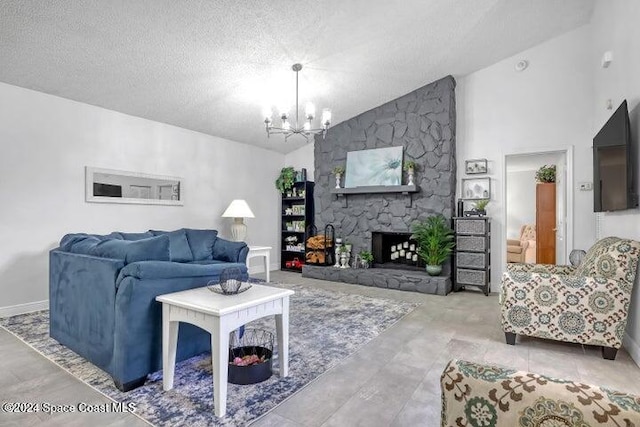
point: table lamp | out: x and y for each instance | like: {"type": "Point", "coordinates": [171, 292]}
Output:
{"type": "Point", "coordinates": [238, 209]}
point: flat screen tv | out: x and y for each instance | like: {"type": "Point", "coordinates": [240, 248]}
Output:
{"type": "Point", "coordinates": [613, 164]}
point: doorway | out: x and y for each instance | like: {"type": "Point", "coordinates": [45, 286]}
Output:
{"type": "Point", "coordinates": [538, 220]}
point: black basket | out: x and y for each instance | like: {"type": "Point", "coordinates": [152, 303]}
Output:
{"type": "Point", "coordinates": [252, 342]}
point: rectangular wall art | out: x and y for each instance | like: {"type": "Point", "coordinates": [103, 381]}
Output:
{"type": "Point", "coordinates": [476, 188]}
{"type": "Point", "coordinates": [379, 166]}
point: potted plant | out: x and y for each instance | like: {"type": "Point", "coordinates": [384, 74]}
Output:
{"type": "Point", "coordinates": [481, 206]}
{"type": "Point", "coordinates": [367, 258]}
{"type": "Point", "coordinates": [546, 173]}
{"type": "Point", "coordinates": [286, 179]}
{"type": "Point", "coordinates": [410, 167]}
{"type": "Point", "coordinates": [435, 242]}
{"type": "Point", "coordinates": [344, 257]}
{"type": "Point", "coordinates": [338, 171]}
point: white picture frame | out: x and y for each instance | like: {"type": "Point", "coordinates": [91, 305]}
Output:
{"type": "Point", "coordinates": [116, 186]}
{"type": "Point", "coordinates": [476, 188]}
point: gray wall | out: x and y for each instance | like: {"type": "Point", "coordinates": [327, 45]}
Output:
{"type": "Point", "coordinates": [424, 123]}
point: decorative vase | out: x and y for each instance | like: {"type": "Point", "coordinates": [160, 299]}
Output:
{"type": "Point", "coordinates": [343, 260]}
{"type": "Point", "coordinates": [434, 270]}
{"type": "Point", "coordinates": [337, 180]}
{"type": "Point", "coordinates": [337, 249]}
{"type": "Point", "coordinates": [410, 173]}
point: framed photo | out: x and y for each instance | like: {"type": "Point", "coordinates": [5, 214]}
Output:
{"type": "Point", "coordinates": [475, 166]}
{"type": "Point", "coordinates": [378, 166]}
{"type": "Point", "coordinates": [476, 188]}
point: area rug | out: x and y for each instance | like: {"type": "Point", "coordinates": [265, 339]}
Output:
{"type": "Point", "coordinates": [325, 327]}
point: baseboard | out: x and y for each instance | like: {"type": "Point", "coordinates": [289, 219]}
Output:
{"type": "Point", "coordinates": [632, 348]}
{"type": "Point", "coordinates": [29, 307]}
{"type": "Point", "coordinates": [260, 268]}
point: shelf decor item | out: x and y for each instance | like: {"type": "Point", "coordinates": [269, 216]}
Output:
{"type": "Point", "coordinates": [410, 167]}
{"type": "Point", "coordinates": [338, 171]}
{"type": "Point", "coordinates": [475, 166]}
{"type": "Point", "coordinates": [476, 188]}
{"type": "Point", "coordinates": [285, 180]}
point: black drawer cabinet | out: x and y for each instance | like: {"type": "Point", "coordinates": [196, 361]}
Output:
{"type": "Point", "coordinates": [472, 254]}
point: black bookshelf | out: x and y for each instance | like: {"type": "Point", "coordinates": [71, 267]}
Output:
{"type": "Point", "coordinates": [296, 213]}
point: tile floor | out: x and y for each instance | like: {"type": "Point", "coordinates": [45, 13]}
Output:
{"type": "Point", "coordinates": [391, 381]}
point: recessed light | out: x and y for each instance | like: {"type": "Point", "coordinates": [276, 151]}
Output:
{"type": "Point", "coordinates": [521, 65]}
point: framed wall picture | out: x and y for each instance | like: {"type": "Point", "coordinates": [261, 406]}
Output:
{"type": "Point", "coordinates": [475, 166]}
{"type": "Point", "coordinates": [476, 188]}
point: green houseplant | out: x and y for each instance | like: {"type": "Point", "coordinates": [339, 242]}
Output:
{"type": "Point", "coordinates": [409, 166]}
{"type": "Point", "coordinates": [367, 258]}
{"type": "Point", "coordinates": [286, 179]}
{"type": "Point", "coordinates": [435, 242]}
{"type": "Point", "coordinates": [546, 173]}
{"type": "Point", "coordinates": [481, 206]}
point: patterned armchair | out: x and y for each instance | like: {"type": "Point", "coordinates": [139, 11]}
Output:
{"type": "Point", "coordinates": [481, 395]}
{"type": "Point", "coordinates": [587, 304]}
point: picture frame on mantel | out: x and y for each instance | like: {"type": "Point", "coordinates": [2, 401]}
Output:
{"type": "Point", "coordinates": [475, 166]}
{"type": "Point", "coordinates": [476, 188]}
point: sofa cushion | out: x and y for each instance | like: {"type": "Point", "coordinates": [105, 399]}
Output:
{"type": "Point", "coordinates": [152, 248]}
{"type": "Point", "coordinates": [84, 245]}
{"type": "Point", "coordinates": [207, 262]}
{"type": "Point", "coordinates": [178, 245]}
{"type": "Point", "coordinates": [201, 243]}
{"type": "Point", "coordinates": [225, 250]}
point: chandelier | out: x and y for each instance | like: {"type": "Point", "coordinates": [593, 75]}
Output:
{"type": "Point", "coordinates": [287, 128]}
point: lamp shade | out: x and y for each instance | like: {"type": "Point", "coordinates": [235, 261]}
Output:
{"type": "Point", "coordinates": [238, 209]}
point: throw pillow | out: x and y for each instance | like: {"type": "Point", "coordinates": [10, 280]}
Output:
{"type": "Point", "coordinates": [178, 244]}
{"type": "Point", "coordinates": [201, 243]}
{"type": "Point", "coordinates": [135, 236]}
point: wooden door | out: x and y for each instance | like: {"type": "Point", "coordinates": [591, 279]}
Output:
{"type": "Point", "coordinates": [546, 223]}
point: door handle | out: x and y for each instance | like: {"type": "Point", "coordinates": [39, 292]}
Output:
{"type": "Point", "coordinates": [554, 229]}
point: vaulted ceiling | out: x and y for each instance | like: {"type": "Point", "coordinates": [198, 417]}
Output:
{"type": "Point", "coordinates": [212, 65]}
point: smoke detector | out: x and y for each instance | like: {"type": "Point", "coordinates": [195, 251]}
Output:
{"type": "Point", "coordinates": [521, 65]}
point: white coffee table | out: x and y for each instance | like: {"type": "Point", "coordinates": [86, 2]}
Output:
{"type": "Point", "coordinates": [219, 315]}
{"type": "Point", "coordinates": [260, 251]}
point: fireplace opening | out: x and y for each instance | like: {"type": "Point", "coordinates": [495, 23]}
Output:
{"type": "Point", "coordinates": [395, 250]}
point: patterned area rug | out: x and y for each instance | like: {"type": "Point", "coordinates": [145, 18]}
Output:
{"type": "Point", "coordinates": [325, 327]}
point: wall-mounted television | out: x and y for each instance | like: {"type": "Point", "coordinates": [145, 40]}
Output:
{"type": "Point", "coordinates": [614, 162]}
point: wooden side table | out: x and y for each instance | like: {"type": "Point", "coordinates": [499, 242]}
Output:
{"type": "Point", "coordinates": [220, 315]}
{"type": "Point", "coordinates": [261, 251]}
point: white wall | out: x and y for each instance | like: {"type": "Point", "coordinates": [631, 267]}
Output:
{"type": "Point", "coordinates": [616, 29]}
{"type": "Point", "coordinates": [546, 107]}
{"type": "Point", "coordinates": [302, 158]}
{"type": "Point", "coordinates": [46, 143]}
{"type": "Point", "coordinates": [521, 201]}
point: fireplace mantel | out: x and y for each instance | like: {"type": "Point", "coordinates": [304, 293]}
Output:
{"type": "Point", "coordinates": [407, 190]}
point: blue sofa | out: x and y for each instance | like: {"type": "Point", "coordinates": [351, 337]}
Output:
{"type": "Point", "coordinates": [102, 292]}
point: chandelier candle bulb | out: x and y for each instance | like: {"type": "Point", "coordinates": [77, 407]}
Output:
{"type": "Point", "coordinates": [310, 111]}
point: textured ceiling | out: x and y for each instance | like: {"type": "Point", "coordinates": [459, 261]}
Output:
{"type": "Point", "coordinates": [212, 66]}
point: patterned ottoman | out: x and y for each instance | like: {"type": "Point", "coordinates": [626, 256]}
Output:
{"type": "Point", "coordinates": [476, 395]}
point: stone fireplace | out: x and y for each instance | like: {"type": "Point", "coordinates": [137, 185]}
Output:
{"type": "Point", "coordinates": [423, 123]}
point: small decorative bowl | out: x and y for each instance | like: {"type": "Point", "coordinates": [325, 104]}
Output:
{"type": "Point", "coordinates": [231, 286]}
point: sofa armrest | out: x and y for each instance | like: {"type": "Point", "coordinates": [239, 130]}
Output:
{"type": "Point", "coordinates": [228, 251]}
{"type": "Point", "coordinates": [513, 242]}
{"type": "Point", "coordinates": [82, 295]}
{"type": "Point", "coordinates": [477, 394]}
{"type": "Point", "coordinates": [168, 270]}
